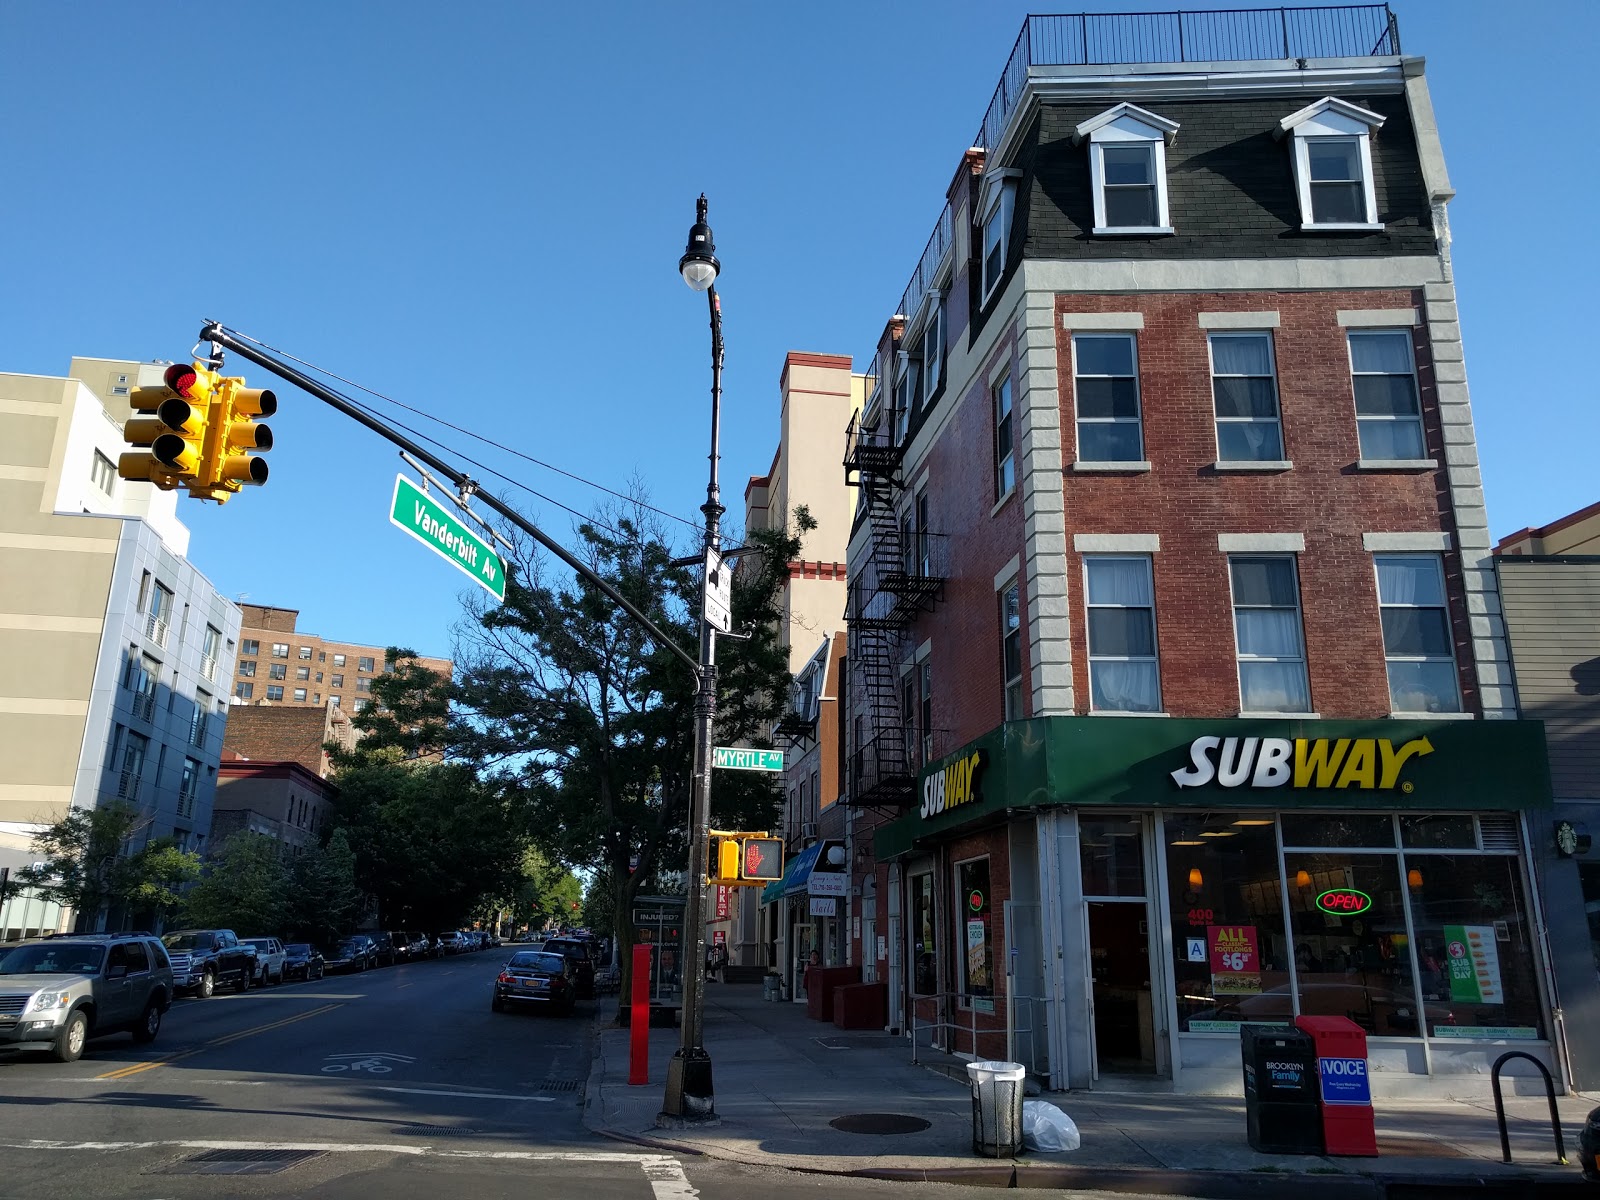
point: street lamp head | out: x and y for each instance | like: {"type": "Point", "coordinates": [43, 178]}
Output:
{"type": "Point", "coordinates": [699, 265]}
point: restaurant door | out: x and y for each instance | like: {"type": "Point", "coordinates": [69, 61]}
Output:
{"type": "Point", "coordinates": [1121, 967]}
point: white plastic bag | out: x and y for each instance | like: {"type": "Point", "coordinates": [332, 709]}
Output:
{"type": "Point", "coordinates": [1047, 1129]}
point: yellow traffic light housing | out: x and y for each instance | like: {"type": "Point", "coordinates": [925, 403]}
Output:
{"type": "Point", "coordinates": [171, 444]}
{"type": "Point", "coordinates": [743, 859]}
{"type": "Point", "coordinates": [239, 432]}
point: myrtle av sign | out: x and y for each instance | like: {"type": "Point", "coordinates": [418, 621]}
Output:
{"type": "Point", "coordinates": [733, 758]}
{"type": "Point", "coordinates": [416, 512]}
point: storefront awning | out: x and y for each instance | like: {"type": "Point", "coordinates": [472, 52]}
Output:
{"type": "Point", "coordinates": [795, 874]}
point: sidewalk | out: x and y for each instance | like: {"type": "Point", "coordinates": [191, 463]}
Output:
{"type": "Point", "coordinates": [781, 1079]}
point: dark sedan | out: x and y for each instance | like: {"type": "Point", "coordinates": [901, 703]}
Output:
{"type": "Point", "coordinates": [533, 977]}
{"type": "Point", "coordinates": [303, 961]}
{"type": "Point", "coordinates": [352, 954]}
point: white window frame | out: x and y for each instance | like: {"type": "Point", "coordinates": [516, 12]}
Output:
{"type": "Point", "coordinates": [1300, 624]}
{"type": "Point", "coordinates": [904, 397]}
{"type": "Point", "coordinates": [1011, 710]}
{"type": "Point", "coordinates": [103, 472]}
{"type": "Point", "coordinates": [996, 203]}
{"type": "Point", "coordinates": [274, 687]}
{"type": "Point", "coordinates": [1416, 391]}
{"type": "Point", "coordinates": [932, 344]}
{"type": "Point", "coordinates": [1154, 657]}
{"type": "Point", "coordinates": [1277, 394]}
{"type": "Point", "coordinates": [1078, 420]}
{"type": "Point", "coordinates": [1338, 119]}
{"type": "Point", "coordinates": [1008, 421]}
{"type": "Point", "coordinates": [1128, 125]}
{"type": "Point", "coordinates": [1443, 606]}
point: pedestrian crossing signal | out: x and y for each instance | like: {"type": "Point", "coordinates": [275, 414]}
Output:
{"type": "Point", "coordinates": [761, 859]}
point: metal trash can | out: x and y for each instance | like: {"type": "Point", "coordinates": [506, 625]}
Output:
{"type": "Point", "coordinates": [769, 987]}
{"type": "Point", "coordinates": [997, 1091]}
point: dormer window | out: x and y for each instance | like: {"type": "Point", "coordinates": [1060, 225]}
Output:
{"type": "Point", "coordinates": [905, 394]}
{"type": "Point", "coordinates": [1331, 152]}
{"type": "Point", "coordinates": [1128, 170]}
{"type": "Point", "coordinates": [996, 198]}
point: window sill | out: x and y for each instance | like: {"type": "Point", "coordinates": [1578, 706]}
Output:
{"type": "Point", "coordinates": [1341, 227]}
{"type": "Point", "coordinates": [1279, 716]}
{"type": "Point", "coordinates": [1262, 464]}
{"type": "Point", "coordinates": [1397, 464]}
{"type": "Point", "coordinates": [1138, 467]}
{"type": "Point", "coordinates": [1116, 712]}
{"type": "Point", "coordinates": [1432, 716]}
{"type": "Point", "coordinates": [1133, 231]}
{"type": "Point", "coordinates": [1003, 501]}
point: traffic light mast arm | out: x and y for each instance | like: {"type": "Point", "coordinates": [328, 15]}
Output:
{"type": "Point", "coordinates": [221, 336]}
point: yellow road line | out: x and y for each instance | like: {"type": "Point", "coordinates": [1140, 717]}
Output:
{"type": "Point", "coordinates": [137, 1068]}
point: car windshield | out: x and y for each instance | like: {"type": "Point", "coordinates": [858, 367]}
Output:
{"type": "Point", "coordinates": [260, 943]}
{"type": "Point", "coordinates": [58, 958]}
{"type": "Point", "coordinates": [187, 941]}
{"type": "Point", "coordinates": [571, 949]}
{"type": "Point", "coordinates": [352, 944]}
{"type": "Point", "coordinates": [533, 960]}
{"type": "Point", "coordinates": [298, 950]}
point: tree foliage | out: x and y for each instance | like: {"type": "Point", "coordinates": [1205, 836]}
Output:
{"type": "Point", "coordinates": [244, 888]}
{"type": "Point", "coordinates": [88, 865]}
{"type": "Point", "coordinates": [589, 722]}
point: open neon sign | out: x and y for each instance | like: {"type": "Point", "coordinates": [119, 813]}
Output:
{"type": "Point", "coordinates": [1344, 902]}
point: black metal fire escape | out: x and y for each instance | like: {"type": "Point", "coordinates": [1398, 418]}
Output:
{"type": "Point", "coordinates": [902, 579]}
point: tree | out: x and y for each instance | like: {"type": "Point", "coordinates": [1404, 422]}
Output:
{"type": "Point", "coordinates": [245, 889]}
{"type": "Point", "coordinates": [87, 866]}
{"type": "Point", "coordinates": [324, 901]}
{"type": "Point", "coordinates": [574, 707]}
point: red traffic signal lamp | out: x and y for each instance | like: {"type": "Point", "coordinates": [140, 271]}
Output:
{"type": "Point", "coordinates": [170, 445]}
{"type": "Point", "coordinates": [761, 859]}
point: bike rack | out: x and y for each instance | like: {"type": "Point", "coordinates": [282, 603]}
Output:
{"type": "Point", "coordinates": [1500, 1106]}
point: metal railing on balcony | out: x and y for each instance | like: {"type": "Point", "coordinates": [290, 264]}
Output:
{"type": "Point", "coordinates": [156, 630]}
{"type": "Point", "coordinates": [932, 255]}
{"type": "Point", "coordinates": [144, 706]}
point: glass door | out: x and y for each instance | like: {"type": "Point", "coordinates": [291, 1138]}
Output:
{"type": "Point", "coordinates": [1121, 967]}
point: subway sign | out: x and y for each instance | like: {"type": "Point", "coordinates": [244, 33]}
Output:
{"type": "Point", "coordinates": [1366, 764]}
{"type": "Point", "coordinates": [956, 785]}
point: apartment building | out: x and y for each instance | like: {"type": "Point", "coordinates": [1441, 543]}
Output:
{"type": "Point", "coordinates": [281, 665]}
{"type": "Point", "coordinates": [1550, 592]}
{"type": "Point", "coordinates": [114, 650]}
{"type": "Point", "coordinates": [1178, 686]}
{"type": "Point", "coordinates": [280, 800]}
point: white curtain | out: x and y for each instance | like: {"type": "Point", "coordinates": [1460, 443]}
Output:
{"type": "Point", "coordinates": [1120, 581]}
{"type": "Point", "coordinates": [1269, 633]}
{"type": "Point", "coordinates": [1123, 686]}
{"type": "Point", "coordinates": [1241, 356]}
{"type": "Point", "coordinates": [1409, 581]}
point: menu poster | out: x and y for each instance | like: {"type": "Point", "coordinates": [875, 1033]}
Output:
{"type": "Point", "coordinates": [1235, 960]}
{"type": "Point", "coordinates": [1474, 964]}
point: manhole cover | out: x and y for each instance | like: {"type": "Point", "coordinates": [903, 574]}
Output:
{"type": "Point", "coordinates": [879, 1123]}
{"type": "Point", "coordinates": [239, 1162]}
{"type": "Point", "coordinates": [559, 1085]}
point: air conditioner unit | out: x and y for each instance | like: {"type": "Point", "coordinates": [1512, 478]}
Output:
{"type": "Point", "coordinates": [808, 830]}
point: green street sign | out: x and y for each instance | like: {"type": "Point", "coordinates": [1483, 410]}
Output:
{"type": "Point", "coordinates": [731, 758]}
{"type": "Point", "coordinates": [419, 515]}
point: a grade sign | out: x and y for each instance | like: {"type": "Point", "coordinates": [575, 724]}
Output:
{"type": "Point", "coordinates": [416, 512]}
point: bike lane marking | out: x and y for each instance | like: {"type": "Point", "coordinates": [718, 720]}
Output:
{"type": "Point", "coordinates": [227, 1039]}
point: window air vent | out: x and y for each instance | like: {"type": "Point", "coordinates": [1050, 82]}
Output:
{"type": "Point", "coordinates": [1500, 835]}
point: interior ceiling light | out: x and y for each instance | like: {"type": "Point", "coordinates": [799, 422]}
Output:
{"type": "Point", "coordinates": [1188, 843]}
{"type": "Point", "coordinates": [1254, 821]}
{"type": "Point", "coordinates": [1219, 833]}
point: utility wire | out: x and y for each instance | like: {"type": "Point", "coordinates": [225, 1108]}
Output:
{"type": "Point", "coordinates": [480, 438]}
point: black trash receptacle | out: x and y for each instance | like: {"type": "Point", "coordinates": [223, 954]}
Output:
{"type": "Point", "coordinates": [1282, 1115]}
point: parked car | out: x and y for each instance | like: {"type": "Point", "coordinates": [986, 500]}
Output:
{"type": "Point", "coordinates": [354, 953]}
{"type": "Point", "coordinates": [301, 960]}
{"type": "Point", "coordinates": [56, 993]}
{"type": "Point", "coordinates": [534, 977]}
{"type": "Point", "coordinates": [269, 960]}
{"type": "Point", "coordinates": [580, 953]}
{"type": "Point", "coordinates": [451, 942]}
{"type": "Point", "coordinates": [383, 949]}
{"type": "Point", "coordinates": [205, 959]}
{"type": "Point", "coordinates": [417, 946]}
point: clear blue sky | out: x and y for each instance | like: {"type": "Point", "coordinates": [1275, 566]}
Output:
{"type": "Point", "coordinates": [478, 209]}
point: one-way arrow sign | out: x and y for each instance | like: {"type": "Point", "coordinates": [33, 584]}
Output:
{"type": "Point", "coordinates": [717, 609]}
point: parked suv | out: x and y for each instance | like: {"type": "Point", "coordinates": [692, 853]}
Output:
{"type": "Point", "coordinates": [56, 993]}
{"type": "Point", "coordinates": [269, 959]}
{"type": "Point", "coordinates": [205, 959]}
{"type": "Point", "coordinates": [383, 949]}
{"type": "Point", "coordinates": [580, 952]}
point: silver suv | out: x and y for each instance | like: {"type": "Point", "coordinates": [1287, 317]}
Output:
{"type": "Point", "coordinates": [58, 992]}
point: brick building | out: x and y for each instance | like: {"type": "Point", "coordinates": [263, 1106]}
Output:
{"type": "Point", "coordinates": [1178, 692]}
{"type": "Point", "coordinates": [290, 733]}
{"type": "Point", "coordinates": [280, 800]}
{"type": "Point", "coordinates": [279, 664]}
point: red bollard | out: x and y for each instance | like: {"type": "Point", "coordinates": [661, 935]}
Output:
{"type": "Point", "coordinates": [639, 1019]}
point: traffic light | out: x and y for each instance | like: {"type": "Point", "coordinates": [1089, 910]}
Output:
{"type": "Point", "coordinates": [230, 466]}
{"type": "Point", "coordinates": [726, 863]}
{"type": "Point", "coordinates": [761, 858]}
{"type": "Point", "coordinates": [172, 442]}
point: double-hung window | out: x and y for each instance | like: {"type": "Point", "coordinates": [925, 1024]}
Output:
{"type": "Point", "coordinates": [925, 689]}
{"type": "Point", "coordinates": [1331, 148]}
{"type": "Point", "coordinates": [1269, 635]}
{"type": "Point", "coordinates": [1417, 646]}
{"type": "Point", "coordinates": [274, 692]}
{"type": "Point", "coordinates": [1244, 390]}
{"type": "Point", "coordinates": [1011, 649]}
{"type": "Point", "coordinates": [277, 670]}
{"type": "Point", "coordinates": [1005, 457]}
{"type": "Point", "coordinates": [1106, 389]}
{"type": "Point", "coordinates": [1383, 376]}
{"type": "Point", "coordinates": [1128, 170]}
{"type": "Point", "coordinates": [280, 650]}
{"type": "Point", "coordinates": [103, 472]}
{"type": "Point", "coordinates": [1123, 675]}
{"type": "Point", "coordinates": [996, 198]}
{"type": "Point", "coordinates": [933, 345]}
{"type": "Point", "coordinates": [905, 395]}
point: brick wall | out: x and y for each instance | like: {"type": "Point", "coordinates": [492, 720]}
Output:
{"type": "Point", "coordinates": [277, 734]}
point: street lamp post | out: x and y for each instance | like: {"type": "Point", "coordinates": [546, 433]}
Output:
{"type": "Point", "coordinates": [690, 1098]}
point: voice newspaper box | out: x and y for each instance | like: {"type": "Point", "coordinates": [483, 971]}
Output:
{"type": "Point", "coordinates": [1346, 1091]}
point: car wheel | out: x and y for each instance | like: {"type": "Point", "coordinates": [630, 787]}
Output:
{"type": "Point", "coordinates": [68, 1046]}
{"type": "Point", "coordinates": [208, 986]}
{"type": "Point", "coordinates": [243, 985]}
{"type": "Point", "coordinates": [149, 1024]}
{"type": "Point", "coordinates": [319, 975]}
{"type": "Point", "coordinates": [497, 1004]}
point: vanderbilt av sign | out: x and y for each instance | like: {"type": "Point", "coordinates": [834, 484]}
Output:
{"type": "Point", "coordinates": [1268, 762]}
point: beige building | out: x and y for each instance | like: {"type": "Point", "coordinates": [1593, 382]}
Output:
{"type": "Point", "coordinates": [818, 395]}
{"type": "Point", "coordinates": [1575, 533]}
{"type": "Point", "coordinates": [114, 651]}
{"type": "Point", "coordinates": [281, 665]}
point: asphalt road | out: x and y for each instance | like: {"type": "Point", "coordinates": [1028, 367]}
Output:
{"type": "Point", "coordinates": [398, 1082]}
